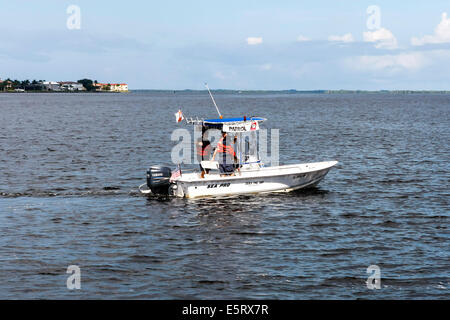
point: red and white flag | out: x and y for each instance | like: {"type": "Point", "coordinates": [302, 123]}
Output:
{"type": "Point", "coordinates": [176, 174]}
{"type": "Point", "coordinates": [254, 126]}
{"type": "Point", "coordinates": [179, 116]}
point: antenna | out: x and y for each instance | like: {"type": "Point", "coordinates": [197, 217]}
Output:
{"type": "Point", "coordinates": [206, 85]}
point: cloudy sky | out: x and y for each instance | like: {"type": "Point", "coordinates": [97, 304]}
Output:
{"type": "Point", "coordinates": [301, 45]}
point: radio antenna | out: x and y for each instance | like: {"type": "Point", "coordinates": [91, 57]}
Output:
{"type": "Point", "coordinates": [210, 94]}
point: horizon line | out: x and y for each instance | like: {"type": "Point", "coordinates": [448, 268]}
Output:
{"type": "Point", "coordinates": [297, 90]}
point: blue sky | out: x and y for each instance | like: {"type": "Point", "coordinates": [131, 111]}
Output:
{"type": "Point", "coordinates": [301, 45]}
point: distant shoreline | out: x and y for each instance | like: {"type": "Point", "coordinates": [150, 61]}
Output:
{"type": "Point", "coordinates": [299, 91]}
{"type": "Point", "coordinates": [229, 91]}
{"type": "Point", "coordinates": [65, 92]}
{"type": "Point", "coordinates": [16, 86]}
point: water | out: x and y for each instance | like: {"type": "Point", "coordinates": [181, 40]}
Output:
{"type": "Point", "coordinates": [71, 163]}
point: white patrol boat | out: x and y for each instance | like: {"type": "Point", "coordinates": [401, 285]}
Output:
{"type": "Point", "coordinates": [250, 174]}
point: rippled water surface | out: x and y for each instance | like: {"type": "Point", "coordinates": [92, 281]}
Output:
{"type": "Point", "coordinates": [70, 165]}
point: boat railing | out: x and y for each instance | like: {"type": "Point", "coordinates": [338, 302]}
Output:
{"type": "Point", "coordinates": [194, 121]}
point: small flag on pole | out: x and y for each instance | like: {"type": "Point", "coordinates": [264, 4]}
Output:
{"type": "Point", "coordinates": [254, 126]}
{"type": "Point", "coordinates": [176, 174]}
{"type": "Point", "coordinates": [179, 116]}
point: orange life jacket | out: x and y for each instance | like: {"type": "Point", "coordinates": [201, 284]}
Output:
{"type": "Point", "coordinates": [223, 148]}
{"type": "Point", "coordinates": [203, 151]}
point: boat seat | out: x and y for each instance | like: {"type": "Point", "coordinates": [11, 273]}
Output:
{"type": "Point", "coordinates": [212, 165]}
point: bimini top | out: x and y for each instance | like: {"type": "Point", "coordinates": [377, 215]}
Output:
{"type": "Point", "coordinates": [234, 124]}
{"type": "Point", "coordinates": [226, 120]}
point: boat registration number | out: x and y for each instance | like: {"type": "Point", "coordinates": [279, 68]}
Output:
{"type": "Point", "coordinates": [254, 182]}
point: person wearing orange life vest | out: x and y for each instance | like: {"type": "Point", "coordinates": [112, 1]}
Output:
{"type": "Point", "coordinates": [203, 153]}
{"type": "Point", "coordinates": [227, 156]}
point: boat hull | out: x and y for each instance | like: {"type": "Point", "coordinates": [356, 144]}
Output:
{"type": "Point", "coordinates": [264, 180]}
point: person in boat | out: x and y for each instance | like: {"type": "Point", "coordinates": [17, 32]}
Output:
{"type": "Point", "coordinates": [227, 156]}
{"type": "Point", "coordinates": [236, 164]}
{"type": "Point", "coordinates": [203, 153]}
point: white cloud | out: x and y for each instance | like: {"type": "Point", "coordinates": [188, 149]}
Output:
{"type": "Point", "coordinates": [266, 66]}
{"type": "Point", "coordinates": [219, 75]}
{"type": "Point", "coordinates": [348, 37]}
{"type": "Point", "coordinates": [302, 38]}
{"type": "Point", "coordinates": [441, 33]}
{"type": "Point", "coordinates": [229, 74]}
{"type": "Point", "coordinates": [383, 38]}
{"type": "Point", "coordinates": [254, 40]}
{"type": "Point", "coordinates": [404, 61]}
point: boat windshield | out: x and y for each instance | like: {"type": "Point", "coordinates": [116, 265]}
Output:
{"type": "Point", "coordinates": [242, 136]}
{"type": "Point", "coordinates": [247, 147]}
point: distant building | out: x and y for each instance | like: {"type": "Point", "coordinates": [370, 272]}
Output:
{"type": "Point", "coordinates": [71, 86]}
{"type": "Point", "coordinates": [51, 86]}
{"type": "Point", "coordinates": [7, 85]}
{"type": "Point", "coordinates": [111, 87]}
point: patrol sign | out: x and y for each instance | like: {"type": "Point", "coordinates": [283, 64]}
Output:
{"type": "Point", "coordinates": [241, 127]}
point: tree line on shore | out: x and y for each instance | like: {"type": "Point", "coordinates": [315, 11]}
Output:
{"type": "Point", "coordinates": [39, 85]}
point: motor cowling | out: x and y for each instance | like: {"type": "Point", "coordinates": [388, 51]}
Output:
{"type": "Point", "coordinates": [158, 179]}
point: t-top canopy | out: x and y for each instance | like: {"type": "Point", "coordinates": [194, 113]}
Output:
{"type": "Point", "coordinates": [227, 120]}
{"type": "Point", "coordinates": [243, 124]}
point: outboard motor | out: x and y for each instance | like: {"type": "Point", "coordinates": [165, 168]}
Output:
{"type": "Point", "coordinates": [158, 179]}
